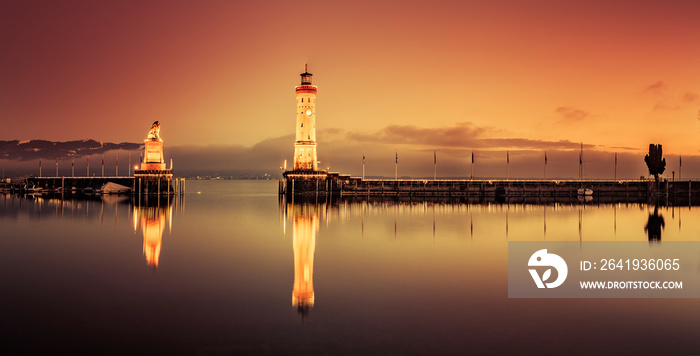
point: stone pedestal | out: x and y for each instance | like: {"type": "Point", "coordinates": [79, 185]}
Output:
{"type": "Point", "coordinates": [153, 156]}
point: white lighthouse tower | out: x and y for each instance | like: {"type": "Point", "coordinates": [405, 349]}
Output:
{"type": "Point", "coordinates": [305, 158]}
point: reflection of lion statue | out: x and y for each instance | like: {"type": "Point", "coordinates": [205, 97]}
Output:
{"type": "Point", "coordinates": [154, 133]}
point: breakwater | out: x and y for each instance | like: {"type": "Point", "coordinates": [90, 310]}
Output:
{"type": "Point", "coordinates": [337, 185]}
{"type": "Point", "coordinates": [143, 184]}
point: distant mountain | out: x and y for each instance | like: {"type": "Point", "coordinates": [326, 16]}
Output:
{"type": "Point", "coordinates": [42, 149]}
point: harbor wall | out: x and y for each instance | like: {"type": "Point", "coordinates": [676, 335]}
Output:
{"type": "Point", "coordinates": [143, 184]}
{"type": "Point", "coordinates": [334, 184]}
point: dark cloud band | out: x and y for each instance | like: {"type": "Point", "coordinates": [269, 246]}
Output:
{"type": "Point", "coordinates": [42, 149]}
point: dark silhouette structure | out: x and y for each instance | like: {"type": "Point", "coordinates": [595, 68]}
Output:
{"type": "Point", "coordinates": [655, 161]}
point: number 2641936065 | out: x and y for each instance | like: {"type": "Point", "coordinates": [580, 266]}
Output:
{"type": "Point", "coordinates": [642, 264]}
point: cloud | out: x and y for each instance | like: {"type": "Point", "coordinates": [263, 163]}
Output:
{"type": "Point", "coordinates": [625, 148]}
{"type": "Point", "coordinates": [665, 106]}
{"type": "Point", "coordinates": [690, 97]}
{"type": "Point", "coordinates": [42, 149]}
{"type": "Point", "coordinates": [463, 135]}
{"type": "Point", "coordinates": [658, 87]}
{"type": "Point", "coordinates": [571, 114]}
{"type": "Point", "coordinates": [670, 100]}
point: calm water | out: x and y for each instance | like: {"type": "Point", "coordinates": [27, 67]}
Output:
{"type": "Point", "coordinates": [230, 269]}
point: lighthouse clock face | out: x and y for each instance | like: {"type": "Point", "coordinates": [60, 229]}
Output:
{"type": "Point", "coordinates": [308, 112]}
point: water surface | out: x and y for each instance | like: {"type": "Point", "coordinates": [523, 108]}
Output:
{"type": "Point", "coordinates": [231, 269]}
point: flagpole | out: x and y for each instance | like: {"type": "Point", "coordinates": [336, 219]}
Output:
{"type": "Point", "coordinates": [396, 171]}
{"type": "Point", "coordinates": [472, 177]}
{"type": "Point", "coordinates": [545, 164]}
{"type": "Point", "coordinates": [87, 170]}
{"type": "Point", "coordinates": [72, 167]}
{"type": "Point", "coordinates": [580, 163]}
{"type": "Point", "coordinates": [434, 165]}
{"type": "Point", "coordinates": [507, 165]}
{"type": "Point", "coordinates": [116, 167]}
{"type": "Point", "coordinates": [40, 168]}
{"type": "Point", "coordinates": [56, 166]}
{"type": "Point", "coordinates": [615, 165]}
{"type": "Point", "coordinates": [129, 164]}
{"type": "Point", "coordinates": [680, 166]}
{"type": "Point", "coordinates": [363, 165]}
{"type": "Point", "coordinates": [103, 165]}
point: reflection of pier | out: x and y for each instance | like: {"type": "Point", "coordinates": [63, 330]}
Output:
{"type": "Point", "coordinates": [561, 220]}
{"type": "Point", "coordinates": [153, 214]}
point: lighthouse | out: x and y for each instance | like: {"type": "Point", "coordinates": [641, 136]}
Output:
{"type": "Point", "coordinates": [305, 178]}
{"type": "Point", "coordinates": [305, 158]}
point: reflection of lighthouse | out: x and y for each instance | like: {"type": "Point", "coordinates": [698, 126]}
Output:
{"type": "Point", "coordinates": [305, 144]}
{"type": "Point", "coordinates": [305, 224]}
{"type": "Point", "coordinates": [152, 219]}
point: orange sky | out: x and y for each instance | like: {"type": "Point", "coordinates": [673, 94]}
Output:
{"type": "Point", "coordinates": [223, 72]}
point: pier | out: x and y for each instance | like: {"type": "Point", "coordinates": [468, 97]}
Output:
{"type": "Point", "coordinates": [152, 178]}
{"type": "Point", "coordinates": [147, 185]}
{"type": "Point", "coordinates": [337, 185]}
{"type": "Point", "coordinates": [306, 181]}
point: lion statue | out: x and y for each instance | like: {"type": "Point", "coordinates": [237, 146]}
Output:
{"type": "Point", "coordinates": [154, 133]}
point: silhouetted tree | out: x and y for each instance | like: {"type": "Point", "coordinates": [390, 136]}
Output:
{"type": "Point", "coordinates": [655, 161]}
